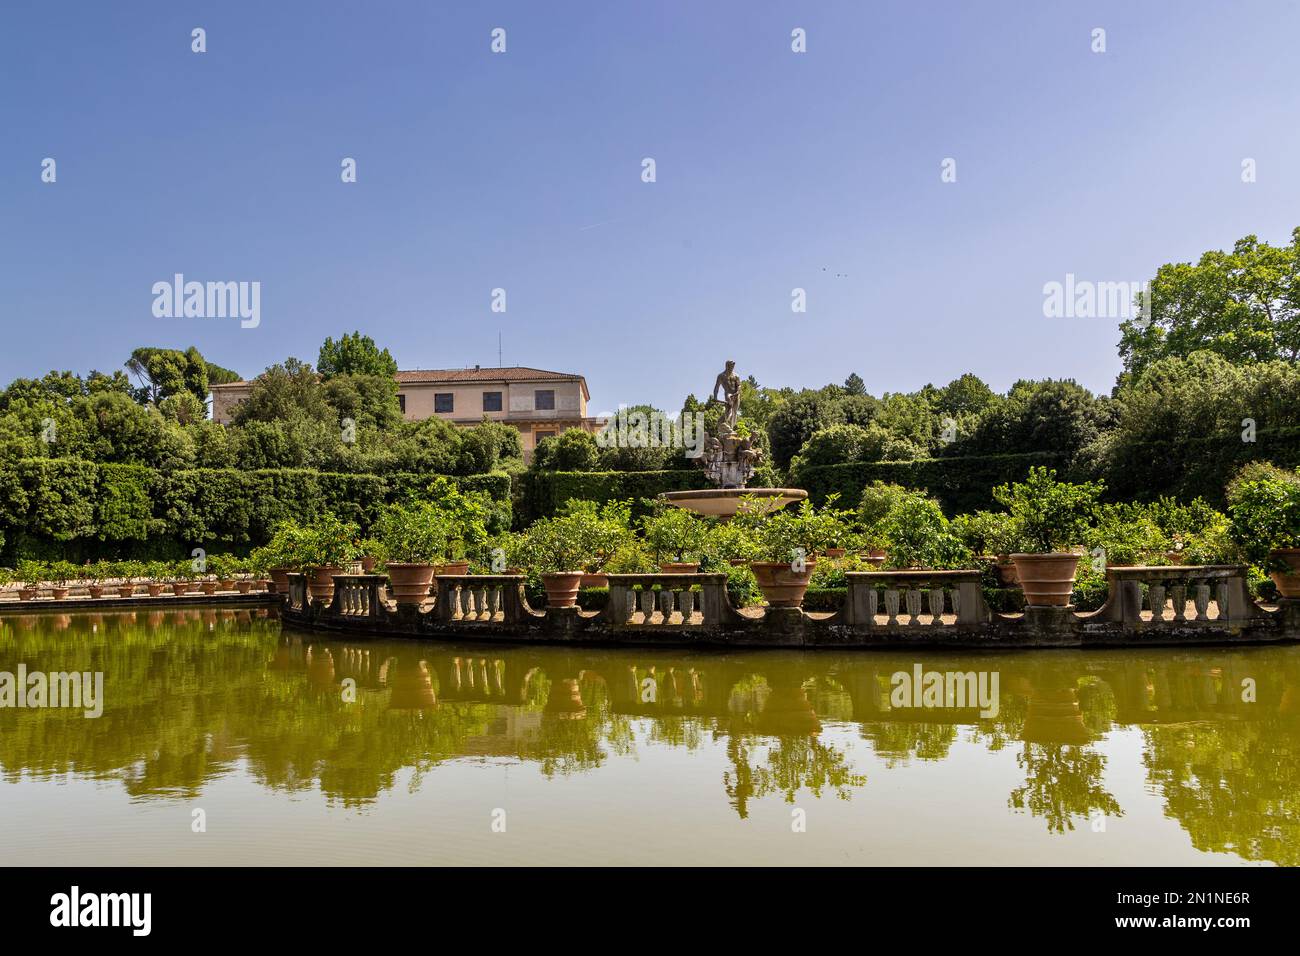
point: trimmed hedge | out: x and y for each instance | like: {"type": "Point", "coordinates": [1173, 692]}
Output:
{"type": "Point", "coordinates": [543, 493]}
{"type": "Point", "coordinates": [55, 508]}
{"type": "Point", "coordinates": [960, 484]}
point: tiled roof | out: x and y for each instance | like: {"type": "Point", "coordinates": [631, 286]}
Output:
{"type": "Point", "coordinates": [514, 373]}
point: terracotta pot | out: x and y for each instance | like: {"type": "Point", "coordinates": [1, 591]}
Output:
{"type": "Point", "coordinates": [27, 594]}
{"type": "Point", "coordinates": [679, 567]}
{"type": "Point", "coordinates": [59, 593]}
{"type": "Point", "coordinates": [1047, 579]}
{"type": "Point", "coordinates": [562, 587]}
{"type": "Point", "coordinates": [1174, 557]}
{"type": "Point", "coordinates": [876, 557]}
{"type": "Point", "coordinates": [179, 587]}
{"type": "Point", "coordinates": [1008, 577]}
{"type": "Point", "coordinates": [125, 590]}
{"type": "Point", "coordinates": [836, 552]}
{"type": "Point", "coordinates": [409, 583]}
{"type": "Point", "coordinates": [737, 562]}
{"type": "Point", "coordinates": [1288, 582]}
{"type": "Point", "coordinates": [243, 586]}
{"type": "Point", "coordinates": [226, 584]}
{"type": "Point", "coordinates": [596, 580]}
{"type": "Point", "coordinates": [208, 587]}
{"type": "Point", "coordinates": [780, 584]}
{"type": "Point", "coordinates": [96, 590]}
{"type": "Point", "coordinates": [320, 584]}
{"type": "Point", "coordinates": [154, 589]}
{"type": "Point", "coordinates": [368, 564]}
{"type": "Point", "coordinates": [451, 567]}
{"type": "Point", "coordinates": [279, 580]}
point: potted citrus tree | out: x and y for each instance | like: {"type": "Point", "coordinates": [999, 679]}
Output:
{"type": "Point", "coordinates": [605, 530]}
{"type": "Point", "coordinates": [992, 536]}
{"type": "Point", "coordinates": [29, 574]}
{"type": "Point", "coordinates": [325, 547]}
{"type": "Point", "coordinates": [1055, 517]}
{"type": "Point", "coordinates": [676, 537]}
{"type": "Point", "coordinates": [60, 573]}
{"type": "Point", "coordinates": [127, 572]}
{"type": "Point", "coordinates": [93, 576]}
{"type": "Point", "coordinates": [554, 548]}
{"type": "Point", "coordinates": [785, 541]}
{"type": "Point", "coordinates": [156, 574]}
{"type": "Point", "coordinates": [411, 538]}
{"type": "Point", "coordinates": [1264, 508]}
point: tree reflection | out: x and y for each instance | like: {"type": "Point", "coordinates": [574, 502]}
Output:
{"type": "Point", "coordinates": [193, 695]}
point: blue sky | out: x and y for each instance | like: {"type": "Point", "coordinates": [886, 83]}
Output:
{"type": "Point", "coordinates": [522, 171]}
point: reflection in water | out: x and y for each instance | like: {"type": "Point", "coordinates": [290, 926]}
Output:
{"type": "Point", "coordinates": [192, 696]}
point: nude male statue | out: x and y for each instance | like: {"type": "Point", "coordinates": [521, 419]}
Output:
{"type": "Point", "coordinates": [729, 382]}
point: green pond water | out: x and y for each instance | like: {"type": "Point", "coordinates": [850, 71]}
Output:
{"type": "Point", "coordinates": [225, 739]}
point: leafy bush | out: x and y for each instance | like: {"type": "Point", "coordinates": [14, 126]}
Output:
{"type": "Point", "coordinates": [790, 533]}
{"type": "Point", "coordinates": [989, 532]}
{"type": "Point", "coordinates": [1128, 534]}
{"type": "Point", "coordinates": [675, 534]}
{"type": "Point", "coordinates": [554, 545]}
{"type": "Point", "coordinates": [1055, 515]}
{"type": "Point", "coordinates": [1264, 508]}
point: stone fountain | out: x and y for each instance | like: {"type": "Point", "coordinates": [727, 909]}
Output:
{"type": "Point", "coordinates": [729, 460]}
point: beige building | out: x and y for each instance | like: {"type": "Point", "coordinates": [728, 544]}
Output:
{"type": "Point", "coordinates": [537, 402]}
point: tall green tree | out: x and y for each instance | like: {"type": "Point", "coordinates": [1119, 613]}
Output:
{"type": "Point", "coordinates": [354, 354]}
{"type": "Point", "coordinates": [1243, 305]}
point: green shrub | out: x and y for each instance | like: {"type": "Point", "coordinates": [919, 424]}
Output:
{"type": "Point", "coordinates": [1264, 508]}
{"type": "Point", "coordinates": [1055, 515]}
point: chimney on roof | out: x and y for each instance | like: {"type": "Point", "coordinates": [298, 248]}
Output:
{"type": "Point", "coordinates": [476, 367]}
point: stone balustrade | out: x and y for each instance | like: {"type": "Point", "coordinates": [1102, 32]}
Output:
{"type": "Point", "coordinates": [661, 600]}
{"type": "Point", "coordinates": [469, 599]}
{"type": "Point", "coordinates": [1146, 606]}
{"type": "Point", "coordinates": [915, 599]}
{"type": "Point", "coordinates": [1179, 594]}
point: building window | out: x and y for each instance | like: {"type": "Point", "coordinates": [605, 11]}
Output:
{"type": "Point", "coordinates": [401, 404]}
{"type": "Point", "coordinates": [544, 399]}
{"type": "Point", "coordinates": [538, 436]}
{"type": "Point", "coordinates": [491, 401]}
{"type": "Point", "coordinates": [444, 402]}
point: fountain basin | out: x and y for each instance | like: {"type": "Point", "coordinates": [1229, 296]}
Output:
{"type": "Point", "coordinates": [725, 502]}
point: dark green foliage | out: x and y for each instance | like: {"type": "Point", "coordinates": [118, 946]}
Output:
{"type": "Point", "coordinates": [50, 508]}
{"type": "Point", "coordinates": [543, 493]}
{"type": "Point", "coordinates": [959, 484]}
{"type": "Point", "coordinates": [124, 503]}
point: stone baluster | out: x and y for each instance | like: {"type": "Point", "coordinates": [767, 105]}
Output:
{"type": "Point", "coordinates": [1156, 593]}
{"type": "Point", "coordinates": [1179, 593]}
{"type": "Point", "coordinates": [936, 605]}
{"type": "Point", "coordinates": [483, 613]}
{"type": "Point", "coordinates": [913, 607]}
{"type": "Point", "coordinates": [891, 605]}
{"type": "Point", "coordinates": [666, 603]}
{"type": "Point", "coordinates": [686, 604]}
{"type": "Point", "coordinates": [1202, 601]}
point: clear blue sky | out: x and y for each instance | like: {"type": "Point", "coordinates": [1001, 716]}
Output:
{"type": "Point", "coordinates": [523, 171]}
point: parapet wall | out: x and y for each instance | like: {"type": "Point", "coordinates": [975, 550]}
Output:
{"type": "Point", "coordinates": [1148, 606]}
